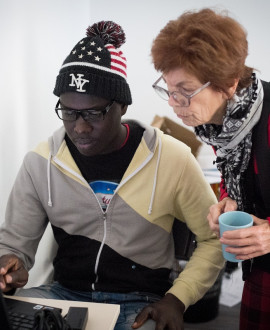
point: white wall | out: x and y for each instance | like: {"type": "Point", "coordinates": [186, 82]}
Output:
{"type": "Point", "coordinates": [37, 35]}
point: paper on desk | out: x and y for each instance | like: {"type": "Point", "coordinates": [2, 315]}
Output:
{"type": "Point", "coordinates": [231, 288]}
{"type": "Point", "coordinates": [212, 175]}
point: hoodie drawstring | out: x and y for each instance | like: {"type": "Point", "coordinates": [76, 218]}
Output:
{"type": "Point", "coordinates": [155, 177]}
{"type": "Point", "coordinates": [49, 179]}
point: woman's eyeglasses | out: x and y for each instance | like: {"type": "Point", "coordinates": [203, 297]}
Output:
{"type": "Point", "coordinates": [180, 97]}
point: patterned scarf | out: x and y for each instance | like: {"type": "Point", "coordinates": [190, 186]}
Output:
{"type": "Point", "coordinates": [232, 140]}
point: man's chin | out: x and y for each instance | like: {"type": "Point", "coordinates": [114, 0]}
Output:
{"type": "Point", "coordinates": [86, 149]}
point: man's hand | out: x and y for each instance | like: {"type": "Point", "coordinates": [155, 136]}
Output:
{"type": "Point", "coordinates": [167, 313]}
{"type": "Point", "coordinates": [12, 273]}
{"type": "Point", "coordinates": [249, 242]}
{"type": "Point", "coordinates": [227, 204]}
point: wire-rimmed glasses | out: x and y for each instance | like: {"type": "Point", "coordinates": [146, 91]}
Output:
{"type": "Point", "coordinates": [180, 97]}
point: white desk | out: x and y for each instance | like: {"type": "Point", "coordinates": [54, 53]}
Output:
{"type": "Point", "coordinates": [100, 316]}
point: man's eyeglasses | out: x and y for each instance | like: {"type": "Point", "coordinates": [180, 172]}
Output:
{"type": "Point", "coordinates": [89, 115]}
{"type": "Point", "coordinates": [180, 97]}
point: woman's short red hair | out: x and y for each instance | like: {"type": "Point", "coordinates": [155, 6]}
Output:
{"type": "Point", "coordinates": [211, 46]}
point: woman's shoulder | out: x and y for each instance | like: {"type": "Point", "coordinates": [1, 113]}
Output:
{"type": "Point", "coordinates": [266, 90]}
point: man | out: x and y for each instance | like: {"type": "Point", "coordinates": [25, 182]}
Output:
{"type": "Point", "coordinates": [110, 190]}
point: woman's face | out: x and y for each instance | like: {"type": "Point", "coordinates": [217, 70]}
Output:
{"type": "Point", "coordinates": [206, 107]}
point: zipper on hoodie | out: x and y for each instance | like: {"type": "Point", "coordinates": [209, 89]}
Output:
{"type": "Point", "coordinates": [147, 160]}
{"type": "Point", "coordinates": [100, 248]}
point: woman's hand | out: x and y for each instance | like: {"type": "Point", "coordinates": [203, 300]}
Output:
{"type": "Point", "coordinates": [249, 242]}
{"type": "Point", "coordinates": [227, 204]}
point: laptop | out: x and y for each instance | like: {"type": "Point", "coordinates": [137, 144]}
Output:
{"type": "Point", "coordinates": [17, 314]}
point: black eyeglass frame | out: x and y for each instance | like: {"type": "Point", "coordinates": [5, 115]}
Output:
{"type": "Point", "coordinates": [82, 112]}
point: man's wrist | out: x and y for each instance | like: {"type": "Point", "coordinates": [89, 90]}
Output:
{"type": "Point", "coordinates": [176, 301]}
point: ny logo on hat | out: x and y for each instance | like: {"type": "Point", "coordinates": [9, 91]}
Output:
{"type": "Point", "coordinates": [78, 82]}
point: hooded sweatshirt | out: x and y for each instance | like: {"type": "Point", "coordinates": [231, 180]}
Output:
{"type": "Point", "coordinates": [128, 247]}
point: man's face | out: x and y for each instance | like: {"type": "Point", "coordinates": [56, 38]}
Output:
{"type": "Point", "coordinates": [94, 137]}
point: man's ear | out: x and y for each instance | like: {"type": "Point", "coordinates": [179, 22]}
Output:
{"type": "Point", "coordinates": [123, 109]}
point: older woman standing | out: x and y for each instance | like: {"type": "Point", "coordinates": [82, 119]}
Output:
{"type": "Point", "coordinates": [201, 56]}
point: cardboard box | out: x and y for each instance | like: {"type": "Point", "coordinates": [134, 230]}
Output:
{"type": "Point", "coordinates": [179, 132]}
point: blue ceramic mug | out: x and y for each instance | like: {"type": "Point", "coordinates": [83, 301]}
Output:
{"type": "Point", "coordinates": [230, 221]}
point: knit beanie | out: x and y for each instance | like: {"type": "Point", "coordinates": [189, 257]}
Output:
{"type": "Point", "coordinates": [95, 66]}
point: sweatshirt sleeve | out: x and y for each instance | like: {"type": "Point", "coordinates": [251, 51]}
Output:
{"type": "Point", "coordinates": [194, 196]}
{"type": "Point", "coordinates": [25, 219]}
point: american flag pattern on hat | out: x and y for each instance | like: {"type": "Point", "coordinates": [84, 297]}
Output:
{"type": "Point", "coordinates": [92, 53]}
{"type": "Point", "coordinates": [118, 61]}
